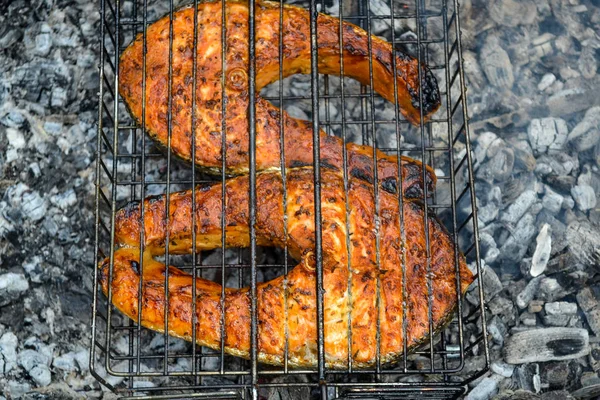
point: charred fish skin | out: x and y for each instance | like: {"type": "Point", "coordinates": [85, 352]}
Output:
{"type": "Point", "coordinates": [298, 134]}
{"type": "Point", "coordinates": [350, 298]}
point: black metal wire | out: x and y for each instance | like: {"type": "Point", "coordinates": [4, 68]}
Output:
{"type": "Point", "coordinates": [400, 185]}
{"type": "Point", "coordinates": [223, 167]}
{"type": "Point", "coordinates": [168, 187]}
{"type": "Point", "coordinates": [373, 140]}
{"type": "Point", "coordinates": [194, 249]}
{"type": "Point", "coordinates": [471, 177]}
{"type": "Point", "coordinates": [105, 328]}
{"type": "Point", "coordinates": [346, 186]}
{"type": "Point", "coordinates": [282, 165]}
{"type": "Point", "coordinates": [96, 289]}
{"type": "Point", "coordinates": [115, 143]}
{"type": "Point", "coordinates": [314, 88]}
{"type": "Point", "coordinates": [252, 196]}
{"type": "Point", "coordinates": [142, 187]}
{"type": "Point", "coordinates": [420, 32]}
{"type": "Point", "coordinates": [453, 195]}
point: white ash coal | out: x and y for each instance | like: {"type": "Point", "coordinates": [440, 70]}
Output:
{"type": "Point", "coordinates": [48, 85]}
{"type": "Point", "coordinates": [532, 69]}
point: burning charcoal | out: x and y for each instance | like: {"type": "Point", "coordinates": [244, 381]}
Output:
{"type": "Point", "coordinates": [65, 362]}
{"type": "Point", "coordinates": [14, 119]}
{"type": "Point", "coordinates": [519, 207]}
{"type": "Point", "coordinates": [16, 390]}
{"type": "Point", "coordinates": [541, 254]}
{"type": "Point", "coordinates": [586, 134]}
{"type": "Point", "coordinates": [515, 247]}
{"type": "Point", "coordinates": [556, 320]}
{"type": "Point", "coordinates": [43, 42]}
{"type": "Point", "coordinates": [528, 319]}
{"type": "Point", "coordinates": [526, 377]}
{"type": "Point", "coordinates": [519, 394]}
{"type": "Point", "coordinates": [8, 351]}
{"type": "Point", "coordinates": [594, 358]}
{"type": "Point", "coordinates": [516, 118]}
{"type": "Point", "coordinates": [503, 369]}
{"type": "Point", "coordinates": [209, 363]}
{"type": "Point", "coordinates": [9, 35]}
{"type": "Point", "coordinates": [588, 392]}
{"type": "Point", "coordinates": [525, 297]}
{"type": "Point", "coordinates": [567, 73]}
{"type": "Point", "coordinates": [491, 285]}
{"type": "Point", "coordinates": [5, 224]}
{"type": "Point", "coordinates": [488, 247]}
{"type": "Point", "coordinates": [587, 63]}
{"type": "Point", "coordinates": [473, 71]}
{"type": "Point", "coordinates": [36, 364]}
{"type": "Point", "coordinates": [501, 162]}
{"type": "Point", "coordinates": [584, 242]}
{"type": "Point", "coordinates": [591, 386]}
{"type": "Point", "coordinates": [561, 182]}
{"type": "Point", "coordinates": [288, 393]}
{"type": "Point", "coordinates": [569, 101]}
{"type": "Point", "coordinates": [546, 81]}
{"type": "Point", "coordinates": [547, 133]}
{"type": "Point", "coordinates": [557, 375]}
{"type": "Point", "coordinates": [324, 109]}
{"type": "Point", "coordinates": [563, 163]}
{"type": "Point", "coordinates": [588, 299]}
{"type": "Point", "coordinates": [380, 7]}
{"type": "Point", "coordinates": [31, 204]}
{"type": "Point", "coordinates": [497, 329]}
{"type": "Point", "coordinates": [12, 286]}
{"type": "Point", "coordinates": [542, 45]}
{"type": "Point", "coordinates": [546, 344]}
{"type": "Point", "coordinates": [561, 308]}
{"type": "Point", "coordinates": [585, 176]}
{"type": "Point", "coordinates": [515, 187]}
{"type": "Point", "coordinates": [63, 392]}
{"type": "Point", "coordinates": [524, 158]}
{"type": "Point", "coordinates": [590, 378]}
{"type": "Point", "coordinates": [488, 211]}
{"type": "Point", "coordinates": [496, 64]}
{"type": "Point", "coordinates": [16, 141]}
{"type": "Point", "coordinates": [552, 201]}
{"type": "Point", "coordinates": [486, 389]}
{"type": "Point", "coordinates": [64, 200]}
{"type": "Point", "coordinates": [550, 290]}
{"type": "Point", "coordinates": [500, 305]}
{"type": "Point", "coordinates": [512, 13]}
{"type": "Point", "coordinates": [535, 306]}
{"type": "Point", "coordinates": [484, 140]}
{"type": "Point", "coordinates": [564, 262]}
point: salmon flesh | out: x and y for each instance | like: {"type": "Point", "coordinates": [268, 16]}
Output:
{"type": "Point", "coordinates": [221, 100]}
{"type": "Point", "coordinates": [361, 290]}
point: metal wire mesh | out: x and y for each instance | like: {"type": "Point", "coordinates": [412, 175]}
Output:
{"type": "Point", "coordinates": [138, 363]}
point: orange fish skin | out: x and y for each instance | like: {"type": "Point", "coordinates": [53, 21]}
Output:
{"type": "Point", "coordinates": [270, 120]}
{"type": "Point", "coordinates": [352, 277]}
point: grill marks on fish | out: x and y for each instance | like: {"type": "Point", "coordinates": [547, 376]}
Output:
{"type": "Point", "coordinates": [296, 58]}
{"type": "Point", "coordinates": [347, 292]}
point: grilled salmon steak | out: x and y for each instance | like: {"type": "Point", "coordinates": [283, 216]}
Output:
{"type": "Point", "coordinates": [351, 270]}
{"type": "Point", "coordinates": [411, 81]}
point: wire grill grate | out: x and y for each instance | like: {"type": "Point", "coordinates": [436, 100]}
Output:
{"type": "Point", "coordinates": [138, 363]}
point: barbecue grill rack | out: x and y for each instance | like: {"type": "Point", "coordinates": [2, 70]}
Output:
{"type": "Point", "coordinates": [138, 363]}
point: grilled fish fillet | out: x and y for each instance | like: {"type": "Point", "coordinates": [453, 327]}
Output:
{"type": "Point", "coordinates": [295, 59]}
{"type": "Point", "coordinates": [349, 277]}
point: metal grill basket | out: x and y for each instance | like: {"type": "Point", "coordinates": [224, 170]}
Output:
{"type": "Point", "coordinates": [138, 363]}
